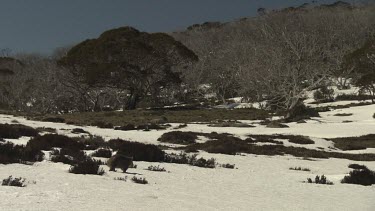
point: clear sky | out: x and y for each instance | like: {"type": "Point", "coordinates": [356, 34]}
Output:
{"type": "Point", "coordinates": [42, 25]}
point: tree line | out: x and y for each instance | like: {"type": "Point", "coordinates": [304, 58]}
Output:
{"type": "Point", "coordinates": [276, 57]}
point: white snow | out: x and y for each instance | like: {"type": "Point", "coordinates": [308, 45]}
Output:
{"type": "Point", "coordinates": [259, 183]}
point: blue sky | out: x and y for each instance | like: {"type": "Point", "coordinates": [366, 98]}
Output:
{"type": "Point", "coordinates": [42, 25]}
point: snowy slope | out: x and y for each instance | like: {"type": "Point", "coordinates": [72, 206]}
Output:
{"type": "Point", "coordinates": [259, 183]}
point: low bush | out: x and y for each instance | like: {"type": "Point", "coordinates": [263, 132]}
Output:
{"type": "Point", "coordinates": [79, 130]}
{"type": "Point", "coordinates": [87, 166]}
{"type": "Point", "coordinates": [350, 97]}
{"type": "Point", "coordinates": [10, 153]}
{"type": "Point", "coordinates": [263, 139]}
{"type": "Point", "coordinates": [324, 95]}
{"type": "Point", "coordinates": [16, 182]}
{"type": "Point", "coordinates": [148, 127]}
{"type": "Point", "coordinates": [101, 124]}
{"type": "Point", "coordinates": [228, 166]}
{"type": "Point", "coordinates": [104, 153]}
{"type": "Point", "coordinates": [54, 119]}
{"type": "Point", "coordinates": [364, 177]}
{"type": "Point", "coordinates": [300, 140]}
{"type": "Point", "coordinates": [357, 166]}
{"type": "Point", "coordinates": [355, 143]}
{"type": "Point", "coordinates": [125, 178]}
{"type": "Point", "coordinates": [15, 131]}
{"type": "Point", "coordinates": [48, 141]}
{"type": "Point", "coordinates": [139, 151]}
{"type": "Point", "coordinates": [178, 137]}
{"type": "Point", "coordinates": [46, 129]}
{"type": "Point", "coordinates": [92, 142]}
{"type": "Point", "coordinates": [192, 160]}
{"type": "Point", "coordinates": [343, 114]}
{"type": "Point", "coordinates": [67, 156]}
{"type": "Point", "coordinates": [126, 127]}
{"type": "Point", "coordinates": [299, 169]}
{"type": "Point", "coordinates": [320, 180]}
{"type": "Point", "coordinates": [156, 168]}
{"type": "Point", "coordinates": [139, 180]}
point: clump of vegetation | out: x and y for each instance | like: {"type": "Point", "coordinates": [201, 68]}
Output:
{"type": "Point", "coordinates": [67, 156]}
{"type": "Point", "coordinates": [87, 166]}
{"type": "Point", "coordinates": [104, 153]}
{"type": "Point", "coordinates": [300, 140]}
{"type": "Point", "coordinates": [139, 151]}
{"type": "Point", "coordinates": [46, 129]}
{"type": "Point", "coordinates": [79, 130]}
{"type": "Point", "coordinates": [10, 153]}
{"type": "Point", "coordinates": [299, 169]}
{"type": "Point", "coordinates": [92, 142]}
{"type": "Point", "coordinates": [48, 141]}
{"type": "Point", "coordinates": [102, 124]}
{"type": "Point", "coordinates": [262, 139]}
{"type": "Point", "coordinates": [54, 119]}
{"type": "Point", "coordinates": [230, 124]}
{"type": "Point", "coordinates": [324, 95]}
{"type": "Point", "coordinates": [343, 114]}
{"type": "Point", "coordinates": [320, 180]}
{"type": "Point", "coordinates": [357, 166]}
{"type": "Point", "coordinates": [228, 166]}
{"type": "Point", "coordinates": [362, 176]}
{"type": "Point", "coordinates": [139, 180]}
{"type": "Point", "coordinates": [15, 131]}
{"type": "Point", "coordinates": [192, 160]}
{"type": "Point", "coordinates": [156, 168]}
{"type": "Point", "coordinates": [353, 97]}
{"type": "Point", "coordinates": [181, 126]}
{"type": "Point", "coordinates": [126, 127]}
{"type": "Point", "coordinates": [178, 137]}
{"type": "Point", "coordinates": [355, 143]}
{"type": "Point", "coordinates": [275, 124]}
{"type": "Point", "coordinates": [16, 182]}
{"type": "Point", "coordinates": [125, 178]}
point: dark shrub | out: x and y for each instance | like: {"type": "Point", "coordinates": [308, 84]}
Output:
{"type": "Point", "coordinates": [10, 153]}
{"type": "Point", "coordinates": [178, 137]}
{"type": "Point", "coordinates": [355, 143]}
{"type": "Point", "coordinates": [88, 166]}
{"type": "Point", "coordinates": [79, 130]}
{"type": "Point", "coordinates": [67, 156]}
{"type": "Point", "coordinates": [302, 112]}
{"type": "Point", "coordinates": [300, 140]}
{"type": "Point", "coordinates": [92, 142]}
{"type": "Point", "coordinates": [48, 141]}
{"type": "Point", "coordinates": [225, 145]}
{"type": "Point", "coordinates": [228, 166]}
{"type": "Point", "coordinates": [46, 129]}
{"type": "Point", "coordinates": [320, 180]}
{"type": "Point", "coordinates": [364, 177]}
{"type": "Point", "coordinates": [54, 119]}
{"type": "Point", "coordinates": [139, 180]}
{"type": "Point", "coordinates": [343, 114]}
{"type": "Point", "coordinates": [16, 182]}
{"type": "Point", "coordinates": [192, 160]}
{"type": "Point", "coordinates": [324, 95]}
{"type": "Point", "coordinates": [156, 168]}
{"type": "Point", "coordinates": [126, 127]}
{"type": "Point", "coordinates": [139, 151]}
{"type": "Point", "coordinates": [101, 124]}
{"type": "Point", "coordinates": [345, 97]}
{"type": "Point", "coordinates": [104, 153]}
{"type": "Point", "coordinates": [151, 126]}
{"type": "Point", "coordinates": [263, 139]}
{"type": "Point", "coordinates": [16, 131]}
{"type": "Point", "coordinates": [299, 169]}
{"type": "Point", "coordinates": [357, 166]}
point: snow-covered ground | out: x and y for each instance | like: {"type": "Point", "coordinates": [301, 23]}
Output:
{"type": "Point", "coordinates": [258, 183]}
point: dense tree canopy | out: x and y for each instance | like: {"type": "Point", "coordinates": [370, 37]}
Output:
{"type": "Point", "coordinates": [126, 58]}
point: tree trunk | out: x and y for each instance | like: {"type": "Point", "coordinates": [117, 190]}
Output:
{"type": "Point", "coordinates": [132, 102]}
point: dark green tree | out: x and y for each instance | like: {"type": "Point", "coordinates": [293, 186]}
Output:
{"type": "Point", "coordinates": [362, 61]}
{"type": "Point", "coordinates": [126, 58]}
